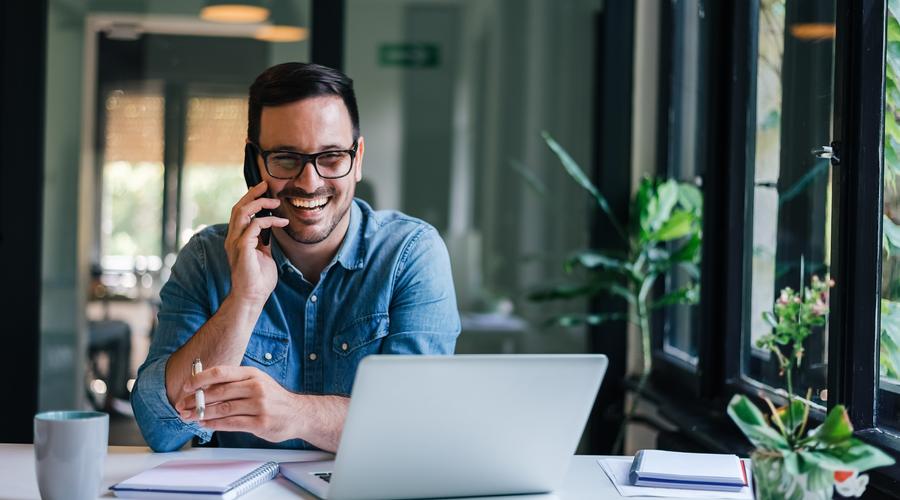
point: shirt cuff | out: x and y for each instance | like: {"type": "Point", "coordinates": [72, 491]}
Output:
{"type": "Point", "coordinates": [151, 389]}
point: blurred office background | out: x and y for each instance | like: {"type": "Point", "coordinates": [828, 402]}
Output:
{"type": "Point", "coordinates": [146, 118]}
{"type": "Point", "coordinates": [123, 125]}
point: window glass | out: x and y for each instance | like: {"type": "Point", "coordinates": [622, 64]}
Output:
{"type": "Point", "coordinates": [213, 178]}
{"type": "Point", "coordinates": [685, 154]}
{"type": "Point", "coordinates": [889, 383]}
{"type": "Point", "coordinates": [792, 187]}
{"type": "Point", "coordinates": [131, 205]}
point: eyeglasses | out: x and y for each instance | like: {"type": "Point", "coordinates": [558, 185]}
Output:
{"type": "Point", "coordinates": [332, 164]}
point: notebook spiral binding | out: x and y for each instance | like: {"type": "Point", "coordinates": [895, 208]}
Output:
{"type": "Point", "coordinates": [264, 473]}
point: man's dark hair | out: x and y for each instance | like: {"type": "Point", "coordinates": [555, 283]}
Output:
{"type": "Point", "coordinates": [293, 81]}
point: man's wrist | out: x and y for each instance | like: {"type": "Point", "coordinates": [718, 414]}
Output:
{"type": "Point", "coordinates": [243, 308]}
{"type": "Point", "coordinates": [300, 424]}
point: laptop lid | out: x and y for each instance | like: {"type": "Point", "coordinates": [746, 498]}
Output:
{"type": "Point", "coordinates": [446, 426]}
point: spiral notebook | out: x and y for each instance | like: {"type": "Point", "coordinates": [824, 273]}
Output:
{"type": "Point", "coordinates": [206, 479]}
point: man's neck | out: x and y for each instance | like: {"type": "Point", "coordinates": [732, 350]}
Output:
{"type": "Point", "coordinates": [311, 259]}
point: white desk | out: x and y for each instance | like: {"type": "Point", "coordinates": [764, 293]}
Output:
{"type": "Point", "coordinates": [585, 480]}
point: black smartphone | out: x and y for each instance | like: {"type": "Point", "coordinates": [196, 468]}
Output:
{"type": "Point", "coordinates": [251, 175]}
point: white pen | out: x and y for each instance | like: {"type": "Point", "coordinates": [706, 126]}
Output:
{"type": "Point", "coordinates": [196, 368]}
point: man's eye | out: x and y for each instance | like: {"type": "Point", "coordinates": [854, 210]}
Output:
{"type": "Point", "coordinates": [284, 160]}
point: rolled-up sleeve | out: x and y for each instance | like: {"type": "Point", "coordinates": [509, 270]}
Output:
{"type": "Point", "coordinates": [424, 318]}
{"type": "Point", "coordinates": [184, 309]}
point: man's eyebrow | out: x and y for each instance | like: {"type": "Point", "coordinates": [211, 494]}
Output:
{"type": "Point", "coordinates": [326, 147]}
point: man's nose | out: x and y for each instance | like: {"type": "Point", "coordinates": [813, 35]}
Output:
{"type": "Point", "coordinates": [309, 178]}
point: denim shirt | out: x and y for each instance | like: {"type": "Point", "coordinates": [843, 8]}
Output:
{"type": "Point", "coordinates": [388, 290]}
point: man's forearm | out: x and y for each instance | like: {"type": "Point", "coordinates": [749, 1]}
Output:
{"type": "Point", "coordinates": [322, 420]}
{"type": "Point", "coordinates": [222, 340]}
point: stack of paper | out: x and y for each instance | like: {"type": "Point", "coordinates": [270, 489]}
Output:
{"type": "Point", "coordinates": [618, 470]}
{"type": "Point", "coordinates": [695, 471]}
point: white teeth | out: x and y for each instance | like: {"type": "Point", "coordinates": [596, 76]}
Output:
{"type": "Point", "coordinates": [302, 203]}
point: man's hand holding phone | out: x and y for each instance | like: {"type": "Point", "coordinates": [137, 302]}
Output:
{"type": "Point", "coordinates": [253, 271]}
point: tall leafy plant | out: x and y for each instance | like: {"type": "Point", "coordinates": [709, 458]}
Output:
{"type": "Point", "coordinates": [663, 234]}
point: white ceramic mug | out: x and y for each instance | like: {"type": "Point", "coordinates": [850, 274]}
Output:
{"type": "Point", "coordinates": [69, 453]}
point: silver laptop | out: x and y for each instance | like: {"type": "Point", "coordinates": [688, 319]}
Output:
{"type": "Point", "coordinates": [454, 426]}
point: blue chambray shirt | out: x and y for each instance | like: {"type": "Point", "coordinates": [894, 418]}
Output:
{"type": "Point", "coordinates": [388, 290]}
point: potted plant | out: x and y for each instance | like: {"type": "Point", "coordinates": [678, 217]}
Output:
{"type": "Point", "coordinates": [664, 233]}
{"type": "Point", "coordinates": [789, 462]}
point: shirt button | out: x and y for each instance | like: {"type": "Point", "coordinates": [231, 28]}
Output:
{"type": "Point", "coordinates": [268, 356]}
{"type": "Point", "coordinates": [313, 298]}
{"type": "Point", "coordinates": [312, 356]}
{"type": "Point", "coordinates": [344, 346]}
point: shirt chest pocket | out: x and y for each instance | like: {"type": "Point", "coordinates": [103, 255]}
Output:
{"type": "Point", "coordinates": [268, 351]}
{"type": "Point", "coordinates": [361, 336]}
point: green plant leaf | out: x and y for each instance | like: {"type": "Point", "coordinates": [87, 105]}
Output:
{"type": "Point", "coordinates": [689, 294]}
{"type": "Point", "coordinates": [570, 320]}
{"type": "Point", "coordinates": [690, 198]}
{"type": "Point", "coordinates": [891, 234]}
{"type": "Point", "coordinates": [591, 259]}
{"type": "Point", "coordinates": [797, 418]}
{"type": "Point", "coordinates": [856, 455]}
{"type": "Point", "coordinates": [676, 226]}
{"type": "Point", "coordinates": [582, 179]}
{"type": "Point", "coordinates": [835, 429]}
{"type": "Point", "coordinates": [531, 179]}
{"type": "Point", "coordinates": [690, 250]}
{"type": "Point", "coordinates": [667, 196]}
{"type": "Point", "coordinates": [754, 426]}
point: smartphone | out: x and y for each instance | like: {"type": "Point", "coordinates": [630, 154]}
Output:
{"type": "Point", "coordinates": [252, 177]}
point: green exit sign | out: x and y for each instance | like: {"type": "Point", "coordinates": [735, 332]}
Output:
{"type": "Point", "coordinates": [409, 55]}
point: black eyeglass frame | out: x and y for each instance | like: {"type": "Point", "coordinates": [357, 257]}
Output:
{"type": "Point", "coordinates": [307, 158]}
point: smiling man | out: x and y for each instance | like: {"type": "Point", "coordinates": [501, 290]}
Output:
{"type": "Point", "coordinates": [281, 328]}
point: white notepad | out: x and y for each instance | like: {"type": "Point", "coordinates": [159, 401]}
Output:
{"type": "Point", "coordinates": [702, 471]}
{"type": "Point", "coordinates": [207, 479]}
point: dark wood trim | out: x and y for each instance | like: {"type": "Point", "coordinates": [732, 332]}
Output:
{"type": "Point", "coordinates": [327, 40]}
{"type": "Point", "coordinates": [857, 199]}
{"type": "Point", "coordinates": [23, 42]}
{"type": "Point", "coordinates": [614, 52]}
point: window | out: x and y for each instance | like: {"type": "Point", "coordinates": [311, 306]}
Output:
{"type": "Point", "coordinates": [213, 177]}
{"type": "Point", "coordinates": [791, 213]}
{"type": "Point", "coordinates": [683, 150]}
{"type": "Point", "coordinates": [132, 156]}
{"type": "Point", "coordinates": [889, 352]}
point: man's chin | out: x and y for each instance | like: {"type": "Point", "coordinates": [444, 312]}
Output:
{"type": "Point", "coordinates": [307, 235]}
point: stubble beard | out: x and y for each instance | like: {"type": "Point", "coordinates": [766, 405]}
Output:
{"type": "Point", "coordinates": [311, 238]}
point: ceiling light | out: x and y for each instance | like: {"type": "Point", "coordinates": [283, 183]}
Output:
{"type": "Point", "coordinates": [813, 31]}
{"type": "Point", "coordinates": [234, 11]}
{"type": "Point", "coordinates": [281, 34]}
{"type": "Point", "coordinates": [287, 23]}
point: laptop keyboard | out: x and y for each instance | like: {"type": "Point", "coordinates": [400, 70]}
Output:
{"type": "Point", "coordinates": [324, 476]}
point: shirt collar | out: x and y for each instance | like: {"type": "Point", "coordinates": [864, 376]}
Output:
{"type": "Point", "coordinates": [351, 253]}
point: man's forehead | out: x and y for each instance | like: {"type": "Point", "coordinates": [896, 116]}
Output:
{"type": "Point", "coordinates": [314, 121]}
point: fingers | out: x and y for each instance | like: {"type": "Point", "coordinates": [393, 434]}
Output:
{"type": "Point", "coordinates": [218, 393]}
{"type": "Point", "coordinates": [218, 375]}
{"type": "Point", "coordinates": [234, 407]}
{"type": "Point", "coordinates": [242, 212]}
{"type": "Point", "coordinates": [241, 423]}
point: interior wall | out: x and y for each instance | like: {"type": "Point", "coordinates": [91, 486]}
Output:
{"type": "Point", "coordinates": [63, 327]}
{"type": "Point", "coordinates": [378, 92]}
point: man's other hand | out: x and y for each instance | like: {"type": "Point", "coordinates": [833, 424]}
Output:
{"type": "Point", "coordinates": [253, 271]}
{"type": "Point", "coordinates": [244, 399]}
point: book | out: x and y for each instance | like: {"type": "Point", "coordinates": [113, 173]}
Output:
{"type": "Point", "coordinates": [206, 479]}
{"type": "Point", "coordinates": [697, 471]}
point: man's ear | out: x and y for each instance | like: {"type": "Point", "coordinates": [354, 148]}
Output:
{"type": "Point", "coordinates": [360, 151]}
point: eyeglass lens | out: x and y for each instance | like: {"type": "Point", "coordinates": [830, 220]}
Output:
{"type": "Point", "coordinates": [328, 165]}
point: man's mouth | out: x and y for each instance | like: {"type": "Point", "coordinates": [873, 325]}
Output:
{"type": "Point", "coordinates": [311, 204]}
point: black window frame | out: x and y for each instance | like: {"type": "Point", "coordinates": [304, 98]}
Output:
{"type": "Point", "coordinates": [854, 321]}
